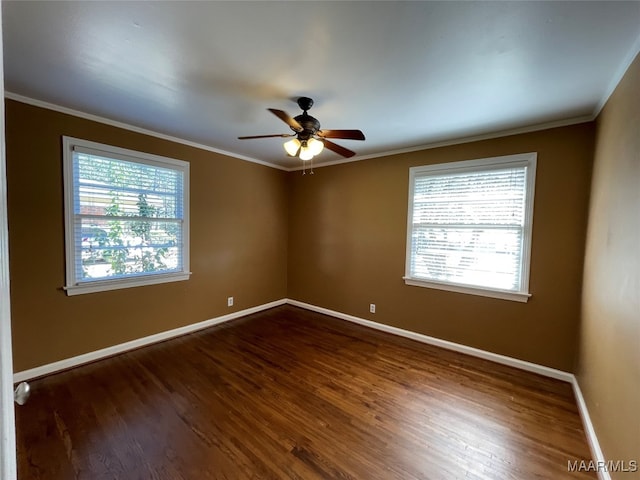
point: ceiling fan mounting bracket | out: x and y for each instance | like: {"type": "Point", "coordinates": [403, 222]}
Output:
{"type": "Point", "coordinates": [305, 103]}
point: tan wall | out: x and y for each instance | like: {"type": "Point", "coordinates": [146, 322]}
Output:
{"type": "Point", "coordinates": [345, 228]}
{"type": "Point", "coordinates": [609, 361]}
{"type": "Point", "coordinates": [347, 243]}
{"type": "Point", "coordinates": [238, 242]}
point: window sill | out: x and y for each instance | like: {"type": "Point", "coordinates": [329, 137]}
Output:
{"type": "Point", "coordinates": [483, 292]}
{"type": "Point", "coordinates": [106, 285]}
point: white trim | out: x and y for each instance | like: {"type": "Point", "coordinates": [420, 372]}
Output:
{"type": "Point", "coordinates": [590, 432]}
{"type": "Point", "coordinates": [8, 467]}
{"type": "Point", "coordinates": [617, 78]}
{"type": "Point", "coordinates": [475, 352]}
{"type": "Point", "coordinates": [503, 161]}
{"type": "Point", "coordinates": [133, 344]}
{"type": "Point", "coordinates": [526, 160]}
{"type": "Point", "coordinates": [76, 286]}
{"type": "Point", "coordinates": [626, 63]}
{"type": "Point", "coordinates": [132, 128]}
{"type": "Point", "coordinates": [88, 147]}
{"type": "Point", "coordinates": [427, 146]}
{"type": "Point", "coordinates": [459, 141]}
{"type": "Point", "coordinates": [456, 347]}
{"type": "Point", "coordinates": [162, 336]}
{"type": "Point", "coordinates": [482, 292]}
{"type": "Point", "coordinates": [117, 284]}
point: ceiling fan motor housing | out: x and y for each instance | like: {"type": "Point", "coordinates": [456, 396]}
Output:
{"type": "Point", "coordinates": [309, 124]}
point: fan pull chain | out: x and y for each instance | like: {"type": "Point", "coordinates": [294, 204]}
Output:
{"type": "Point", "coordinates": [311, 165]}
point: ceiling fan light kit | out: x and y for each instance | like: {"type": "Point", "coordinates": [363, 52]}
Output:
{"type": "Point", "coordinates": [309, 140]}
{"type": "Point", "coordinates": [305, 154]}
{"type": "Point", "coordinates": [292, 147]}
{"type": "Point", "coordinates": [307, 149]}
{"type": "Point", "coordinates": [315, 146]}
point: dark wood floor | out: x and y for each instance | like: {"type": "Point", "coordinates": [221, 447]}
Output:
{"type": "Point", "coordinates": [288, 393]}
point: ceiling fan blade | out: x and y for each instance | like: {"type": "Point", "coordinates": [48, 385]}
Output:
{"type": "Point", "coordinates": [283, 135]}
{"type": "Point", "coordinates": [346, 134]}
{"type": "Point", "coordinates": [334, 147]}
{"type": "Point", "coordinates": [284, 116]}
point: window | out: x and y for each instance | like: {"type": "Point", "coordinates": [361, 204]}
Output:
{"type": "Point", "coordinates": [126, 218]}
{"type": "Point", "coordinates": [469, 226]}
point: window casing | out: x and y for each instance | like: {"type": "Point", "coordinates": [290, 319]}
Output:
{"type": "Point", "coordinates": [126, 217]}
{"type": "Point", "coordinates": [469, 226]}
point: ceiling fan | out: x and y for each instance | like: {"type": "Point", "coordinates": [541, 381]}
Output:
{"type": "Point", "coordinates": [309, 140]}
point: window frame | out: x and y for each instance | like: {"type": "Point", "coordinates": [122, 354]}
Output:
{"type": "Point", "coordinates": [524, 159]}
{"type": "Point", "coordinates": [73, 285]}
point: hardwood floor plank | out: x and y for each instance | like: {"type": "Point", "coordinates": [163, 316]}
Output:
{"type": "Point", "coordinates": [291, 394]}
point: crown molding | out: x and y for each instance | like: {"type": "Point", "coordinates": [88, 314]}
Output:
{"type": "Point", "coordinates": [357, 158]}
{"type": "Point", "coordinates": [133, 128]}
{"type": "Point", "coordinates": [617, 78]}
{"type": "Point", "coordinates": [459, 141]}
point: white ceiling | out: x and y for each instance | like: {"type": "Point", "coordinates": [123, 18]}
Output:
{"type": "Point", "coordinates": [405, 73]}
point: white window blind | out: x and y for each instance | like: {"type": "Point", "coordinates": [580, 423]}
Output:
{"type": "Point", "coordinates": [127, 217]}
{"type": "Point", "coordinates": [470, 224]}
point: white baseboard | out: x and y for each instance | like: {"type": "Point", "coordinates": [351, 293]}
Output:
{"type": "Point", "coordinates": [592, 439]}
{"type": "Point", "coordinates": [65, 364]}
{"type": "Point", "coordinates": [590, 432]}
{"type": "Point", "coordinates": [457, 347]}
{"type": "Point", "coordinates": [140, 342]}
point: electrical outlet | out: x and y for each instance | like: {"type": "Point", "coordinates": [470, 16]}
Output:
{"type": "Point", "coordinates": [230, 302]}
{"type": "Point", "coordinates": [372, 308]}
